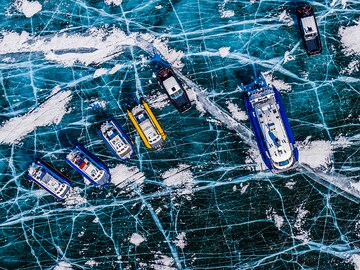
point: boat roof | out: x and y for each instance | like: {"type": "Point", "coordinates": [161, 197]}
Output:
{"type": "Point", "coordinates": [271, 124]}
{"type": "Point", "coordinates": [309, 25]}
{"type": "Point", "coordinates": [171, 85]}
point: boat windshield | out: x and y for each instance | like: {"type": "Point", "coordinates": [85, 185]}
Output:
{"type": "Point", "coordinates": [177, 93]}
{"type": "Point", "coordinates": [284, 163]}
{"type": "Point", "coordinates": [141, 117]}
{"type": "Point", "coordinates": [165, 73]}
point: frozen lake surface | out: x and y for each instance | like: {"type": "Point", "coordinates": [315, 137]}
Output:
{"type": "Point", "coordinates": [205, 201]}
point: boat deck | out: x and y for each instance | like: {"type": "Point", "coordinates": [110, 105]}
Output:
{"type": "Point", "coordinates": [273, 129]}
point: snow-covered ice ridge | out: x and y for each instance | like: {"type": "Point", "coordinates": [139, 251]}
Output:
{"type": "Point", "coordinates": [203, 201]}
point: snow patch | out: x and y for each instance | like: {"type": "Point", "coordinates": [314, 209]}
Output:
{"type": "Point", "coordinates": [286, 18]}
{"type": "Point", "coordinates": [225, 13]}
{"type": "Point", "coordinates": [279, 84]}
{"type": "Point", "coordinates": [158, 101]}
{"type": "Point", "coordinates": [254, 160]}
{"type": "Point", "coordinates": [316, 154]}
{"type": "Point", "coordinates": [299, 222]}
{"type": "Point", "coordinates": [350, 38]}
{"type": "Point", "coordinates": [115, 69]}
{"type": "Point", "coordinates": [158, 7]}
{"type": "Point", "coordinates": [356, 186]}
{"type": "Point", "coordinates": [99, 72]}
{"type": "Point", "coordinates": [136, 239]}
{"type": "Point", "coordinates": [341, 142]}
{"type": "Point", "coordinates": [181, 179]}
{"type": "Point", "coordinates": [49, 112]}
{"type": "Point", "coordinates": [343, 3]}
{"type": "Point", "coordinates": [113, 2]}
{"type": "Point", "coordinates": [244, 188]}
{"type": "Point", "coordinates": [96, 46]}
{"type": "Point", "coordinates": [357, 228]}
{"type": "Point", "coordinates": [96, 220]}
{"type": "Point", "coordinates": [290, 184]}
{"type": "Point", "coordinates": [272, 215]}
{"type": "Point", "coordinates": [180, 240]}
{"type": "Point", "coordinates": [97, 104]}
{"type": "Point", "coordinates": [354, 66]}
{"type": "Point", "coordinates": [163, 262]}
{"type": "Point", "coordinates": [171, 55]}
{"type": "Point", "coordinates": [236, 112]}
{"type": "Point", "coordinates": [92, 263]}
{"type": "Point", "coordinates": [128, 179]}
{"type": "Point", "coordinates": [355, 259]}
{"type": "Point", "coordinates": [288, 57]}
{"type": "Point", "coordinates": [224, 51]}
{"type": "Point", "coordinates": [28, 8]}
{"type": "Point", "coordinates": [74, 198]}
{"type": "Point", "coordinates": [63, 266]}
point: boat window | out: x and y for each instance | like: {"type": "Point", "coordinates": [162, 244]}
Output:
{"type": "Point", "coordinates": [164, 73]}
{"type": "Point", "coordinates": [283, 163]}
{"type": "Point", "coordinates": [78, 160]}
{"type": "Point", "coordinates": [141, 117]}
{"type": "Point", "coordinates": [176, 94]}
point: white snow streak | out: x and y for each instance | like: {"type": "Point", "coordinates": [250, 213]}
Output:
{"type": "Point", "coordinates": [49, 112]}
{"type": "Point", "coordinates": [97, 46]}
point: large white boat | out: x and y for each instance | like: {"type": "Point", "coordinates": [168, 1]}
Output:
{"type": "Point", "coordinates": [88, 166]}
{"type": "Point", "coordinates": [271, 126]}
{"type": "Point", "coordinates": [50, 179]}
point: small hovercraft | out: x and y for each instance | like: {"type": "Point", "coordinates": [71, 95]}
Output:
{"type": "Point", "coordinates": [147, 125]}
{"type": "Point", "coordinates": [309, 30]}
{"type": "Point", "coordinates": [171, 84]}
{"type": "Point", "coordinates": [50, 179]}
{"type": "Point", "coordinates": [88, 166]}
{"type": "Point", "coordinates": [116, 139]}
{"type": "Point", "coordinates": [271, 126]}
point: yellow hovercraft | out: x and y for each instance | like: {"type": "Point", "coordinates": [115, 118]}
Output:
{"type": "Point", "coordinates": [147, 125]}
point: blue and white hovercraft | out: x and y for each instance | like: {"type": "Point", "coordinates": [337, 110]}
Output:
{"type": "Point", "coordinates": [116, 139]}
{"type": "Point", "coordinates": [88, 166]}
{"type": "Point", "coordinates": [270, 125]}
{"type": "Point", "coordinates": [50, 179]}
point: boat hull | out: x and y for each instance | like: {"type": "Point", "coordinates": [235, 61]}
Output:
{"type": "Point", "coordinates": [57, 175]}
{"type": "Point", "coordinates": [154, 121]}
{"type": "Point", "coordinates": [181, 102]}
{"type": "Point", "coordinates": [94, 160]}
{"type": "Point", "coordinates": [125, 138]}
{"type": "Point", "coordinates": [259, 133]}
